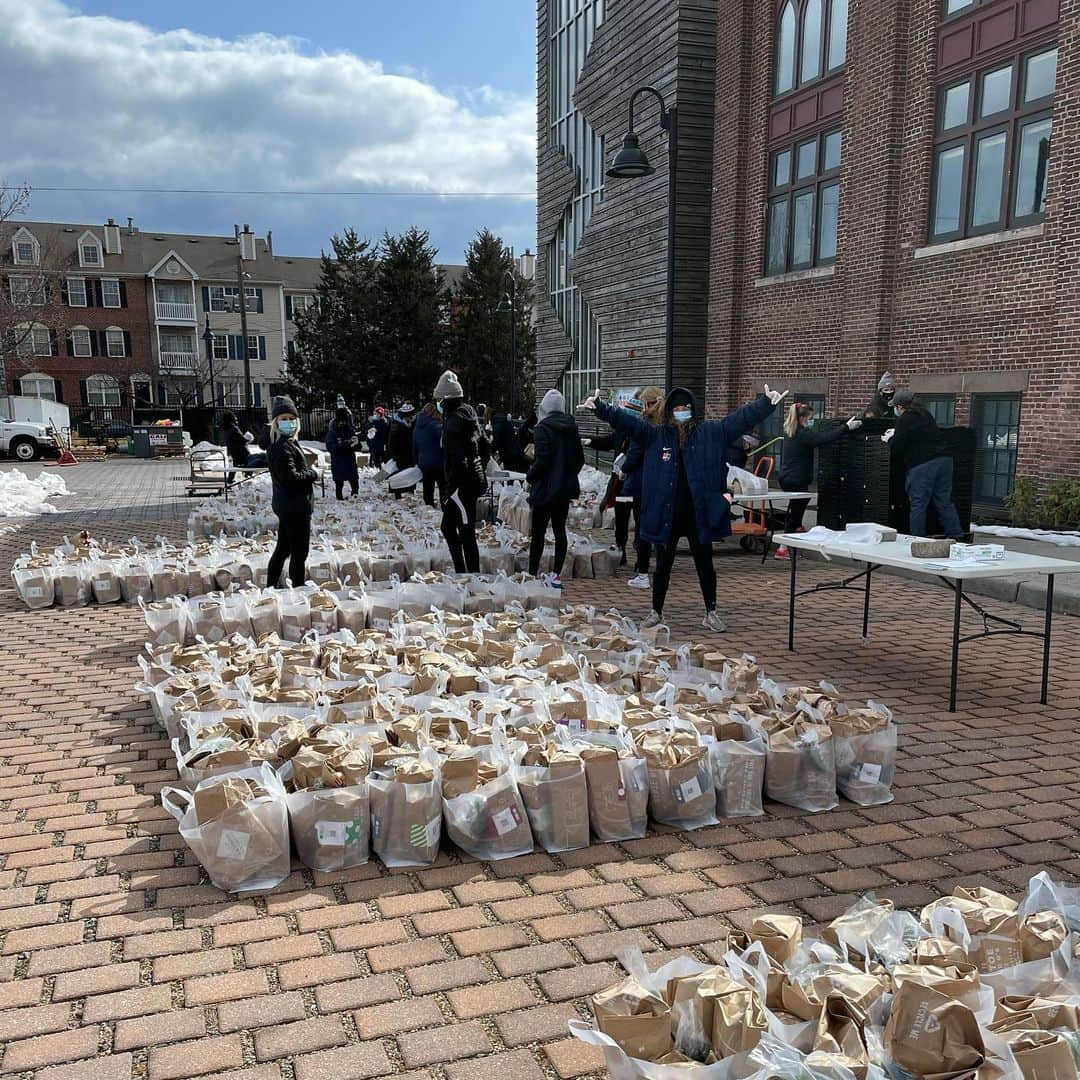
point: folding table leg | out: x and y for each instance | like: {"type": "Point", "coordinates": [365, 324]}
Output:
{"type": "Point", "coordinates": [959, 587]}
{"type": "Point", "coordinates": [866, 603]}
{"type": "Point", "coordinates": [791, 601]}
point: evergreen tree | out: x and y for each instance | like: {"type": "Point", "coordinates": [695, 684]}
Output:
{"type": "Point", "coordinates": [411, 315]}
{"type": "Point", "coordinates": [482, 334]}
{"type": "Point", "coordinates": [336, 341]}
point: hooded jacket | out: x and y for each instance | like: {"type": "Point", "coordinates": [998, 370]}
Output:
{"type": "Point", "coordinates": [342, 453]}
{"type": "Point", "coordinates": [427, 443]}
{"type": "Point", "coordinates": [235, 443]}
{"type": "Point", "coordinates": [377, 443]}
{"type": "Point", "coordinates": [466, 451]}
{"type": "Point", "coordinates": [558, 458]}
{"type": "Point", "coordinates": [704, 453]}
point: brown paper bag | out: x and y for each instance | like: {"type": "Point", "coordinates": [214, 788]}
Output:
{"type": "Point", "coordinates": [1043, 1055]}
{"type": "Point", "coordinates": [780, 935]}
{"type": "Point", "coordinates": [840, 1032]}
{"type": "Point", "coordinates": [638, 1020]}
{"type": "Point", "coordinates": [1045, 1013]}
{"type": "Point", "coordinates": [618, 790]}
{"type": "Point", "coordinates": [692, 999]}
{"type": "Point", "coordinates": [406, 813]}
{"type": "Point", "coordinates": [930, 1034]}
{"type": "Point", "coordinates": [556, 796]}
{"type": "Point", "coordinates": [739, 1021]}
{"type": "Point", "coordinates": [1042, 933]}
{"type": "Point", "coordinates": [681, 790]}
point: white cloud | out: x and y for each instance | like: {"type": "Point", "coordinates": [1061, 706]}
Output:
{"type": "Point", "coordinates": [111, 102]}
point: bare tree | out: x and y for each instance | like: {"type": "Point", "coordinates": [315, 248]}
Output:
{"type": "Point", "coordinates": [31, 304]}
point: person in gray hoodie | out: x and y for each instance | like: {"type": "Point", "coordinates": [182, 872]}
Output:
{"type": "Point", "coordinates": [553, 480]}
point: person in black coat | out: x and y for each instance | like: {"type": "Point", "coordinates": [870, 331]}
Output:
{"type": "Point", "coordinates": [466, 453]}
{"type": "Point", "coordinates": [341, 444]}
{"type": "Point", "coordinates": [377, 431]}
{"type": "Point", "coordinates": [553, 480]}
{"type": "Point", "coordinates": [881, 405]}
{"type": "Point", "coordinates": [294, 495]}
{"type": "Point", "coordinates": [234, 441]}
{"type": "Point", "coordinates": [801, 439]}
{"type": "Point", "coordinates": [399, 442]}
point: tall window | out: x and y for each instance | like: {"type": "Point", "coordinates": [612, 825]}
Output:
{"type": "Point", "coordinates": [811, 41]}
{"type": "Point", "coordinates": [34, 341]}
{"type": "Point", "coordinates": [102, 390]}
{"type": "Point", "coordinates": [80, 342]}
{"type": "Point", "coordinates": [110, 292]}
{"type": "Point", "coordinates": [804, 204]}
{"type": "Point", "coordinates": [221, 347]}
{"type": "Point", "coordinates": [76, 291]}
{"type": "Point", "coordinates": [996, 419]}
{"type": "Point", "coordinates": [24, 252]}
{"type": "Point", "coordinates": [114, 342]}
{"type": "Point", "coordinates": [992, 155]}
{"type": "Point", "coordinates": [942, 407]}
{"type": "Point", "coordinates": [572, 24]}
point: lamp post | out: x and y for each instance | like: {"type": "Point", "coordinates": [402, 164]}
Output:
{"type": "Point", "coordinates": [241, 293]}
{"type": "Point", "coordinates": [631, 163]}
{"type": "Point", "coordinates": [508, 306]}
{"type": "Point", "coordinates": [208, 340]}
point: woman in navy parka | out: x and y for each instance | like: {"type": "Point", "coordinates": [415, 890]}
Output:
{"type": "Point", "coordinates": [684, 484]}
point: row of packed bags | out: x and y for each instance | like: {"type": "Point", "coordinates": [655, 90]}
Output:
{"type": "Point", "coordinates": [882, 993]}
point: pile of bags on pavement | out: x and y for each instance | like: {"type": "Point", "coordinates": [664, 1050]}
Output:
{"type": "Point", "coordinates": [977, 987]}
{"type": "Point", "coordinates": [500, 731]}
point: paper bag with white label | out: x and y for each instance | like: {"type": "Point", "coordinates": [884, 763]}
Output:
{"type": "Point", "coordinates": [618, 786]}
{"type": "Point", "coordinates": [800, 769]}
{"type": "Point", "coordinates": [237, 826]}
{"type": "Point", "coordinates": [865, 742]}
{"type": "Point", "coordinates": [553, 787]}
{"type": "Point", "coordinates": [406, 811]}
{"type": "Point", "coordinates": [681, 790]}
{"type": "Point", "coordinates": [331, 828]}
{"type": "Point", "coordinates": [485, 815]}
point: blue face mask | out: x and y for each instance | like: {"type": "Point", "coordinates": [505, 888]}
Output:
{"type": "Point", "coordinates": [683, 416]}
{"type": "Point", "coordinates": [288, 427]}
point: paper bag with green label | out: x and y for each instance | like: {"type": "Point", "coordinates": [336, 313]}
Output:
{"type": "Point", "coordinates": [406, 811]}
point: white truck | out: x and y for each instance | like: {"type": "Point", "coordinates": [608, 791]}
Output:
{"type": "Point", "coordinates": [29, 427]}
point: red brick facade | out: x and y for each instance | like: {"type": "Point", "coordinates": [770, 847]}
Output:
{"type": "Point", "coordinates": [999, 314]}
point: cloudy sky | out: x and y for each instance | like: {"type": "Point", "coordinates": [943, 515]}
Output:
{"type": "Point", "coordinates": [428, 100]}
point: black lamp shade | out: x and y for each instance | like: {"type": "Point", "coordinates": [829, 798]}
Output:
{"type": "Point", "coordinates": [505, 307]}
{"type": "Point", "coordinates": [631, 161]}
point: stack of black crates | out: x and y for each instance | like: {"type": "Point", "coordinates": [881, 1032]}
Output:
{"type": "Point", "coordinates": [858, 480]}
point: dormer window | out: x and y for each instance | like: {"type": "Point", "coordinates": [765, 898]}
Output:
{"type": "Point", "coordinates": [89, 250]}
{"type": "Point", "coordinates": [24, 248]}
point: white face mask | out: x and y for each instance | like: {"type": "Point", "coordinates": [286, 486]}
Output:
{"type": "Point", "coordinates": [683, 416]}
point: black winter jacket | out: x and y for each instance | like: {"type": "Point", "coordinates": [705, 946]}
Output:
{"type": "Point", "coordinates": [399, 444]}
{"type": "Point", "coordinates": [466, 451]}
{"type": "Point", "coordinates": [797, 467]}
{"type": "Point", "coordinates": [294, 480]}
{"type": "Point", "coordinates": [557, 461]}
{"type": "Point", "coordinates": [917, 439]}
{"type": "Point", "coordinates": [236, 444]}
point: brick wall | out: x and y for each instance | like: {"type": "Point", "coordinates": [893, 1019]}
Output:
{"type": "Point", "coordinates": [1001, 316]}
{"type": "Point", "coordinates": [72, 371]}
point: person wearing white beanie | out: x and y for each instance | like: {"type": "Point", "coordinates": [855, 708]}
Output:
{"type": "Point", "coordinates": [466, 452]}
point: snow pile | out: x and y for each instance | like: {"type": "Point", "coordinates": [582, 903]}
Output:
{"type": "Point", "coordinates": [20, 496]}
{"type": "Point", "coordinates": [1043, 536]}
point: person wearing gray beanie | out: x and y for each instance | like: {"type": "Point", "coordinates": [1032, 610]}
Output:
{"type": "Point", "coordinates": [448, 386]}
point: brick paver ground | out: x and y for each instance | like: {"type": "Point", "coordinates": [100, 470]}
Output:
{"type": "Point", "coordinates": [118, 961]}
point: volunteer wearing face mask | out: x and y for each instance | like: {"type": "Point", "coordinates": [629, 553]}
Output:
{"type": "Point", "coordinates": [685, 484]}
{"type": "Point", "coordinates": [881, 407]}
{"type": "Point", "coordinates": [399, 442]}
{"type": "Point", "coordinates": [294, 497]}
{"type": "Point", "coordinates": [916, 441]}
{"type": "Point", "coordinates": [553, 481]}
{"type": "Point", "coordinates": [341, 444]}
{"type": "Point", "coordinates": [466, 453]}
{"type": "Point", "coordinates": [801, 439]}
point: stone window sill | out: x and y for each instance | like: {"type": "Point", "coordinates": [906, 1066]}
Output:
{"type": "Point", "coordinates": [973, 243]}
{"type": "Point", "coordinates": [812, 274]}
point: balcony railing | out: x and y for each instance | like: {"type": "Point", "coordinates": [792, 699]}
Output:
{"type": "Point", "coordinates": [168, 311]}
{"type": "Point", "coordinates": [179, 363]}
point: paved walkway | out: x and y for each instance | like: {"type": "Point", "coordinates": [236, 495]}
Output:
{"type": "Point", "coordinates": [117, 961]}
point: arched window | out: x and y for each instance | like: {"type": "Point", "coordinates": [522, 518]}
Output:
{"type": "Point", "coordinates": [811, 41]}
{"type": "Point", "coordinates": [785, 49]}
{"type": "Point", "coordinates": [38, 385]}
{"type": "Point", "coordinates": [102, 390]}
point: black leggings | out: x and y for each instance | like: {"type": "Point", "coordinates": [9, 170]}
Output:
{"type": "Point", "coordinates": [460, 533]}
{"type": "Point", "coordinates": [432, 478]}
{"type": "Point", "coordinates": [703, 563]}
{"type": "Point", "coordinates": [796, 509]}
{"type": "Point", "coordinates": [643, 548]}
{"type": "Point", "coordinates": [554, 514]}
{"type": "Point", "coordinates": [293, 543]}
{"type": "Point", "coordinates": [353, 483]}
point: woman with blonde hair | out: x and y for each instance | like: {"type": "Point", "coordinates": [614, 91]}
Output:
{"type": "Point", "coordinates": [801, 439]}
{"type": "Point", "coordinates": [294, 495]}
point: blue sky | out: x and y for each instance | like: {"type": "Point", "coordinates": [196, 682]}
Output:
{"type": "Point", "coordinates": [416, 96]}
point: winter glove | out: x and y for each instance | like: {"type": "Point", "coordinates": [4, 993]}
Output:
{"type": "Point", "coordinates": [774, 395]}
{"type": "Point", "coordinates": [854, 424]}
{"type": "Point", "coordinates": [887, 437]}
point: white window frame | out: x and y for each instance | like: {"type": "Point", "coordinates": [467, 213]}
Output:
{"type": "Point", "coordinates": [75, 332]}
{"type": "Point", "coordinates": [42, 341]}
{"type": "Point", "coordinates": [253, 343]}
{"type": "Point", "coordinates": [37, 378]}
{"type": "Point", "coordinates": [110, 335]}
{"type": "Point", "coordinates": [26, 297]}
{"type": "Point", "coordinates": [226, 294]}
{"type": "Point", "coordinates": [300, 304]}
{"type": "Point", "coordinates": [105, 386]}
{"type": "Point", "coordinates": [106, 281]}
{"type": "Point", "coordinates": [25, 236]}
{"type": "Point", "coordinates": [232, 394]}
{"type": "Point", "coordinates": [83, 285]}
{"type": "Point", "coordinates": [221, 346]}
{"type": "Point", "coordinates": [84, 247]}
{"type": "Point", "coordinates": [178, 342]}
{"type": "Point", "coordinates": [20, 260]}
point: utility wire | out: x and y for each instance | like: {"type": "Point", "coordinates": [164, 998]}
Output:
{"type": "Point", "coordinates": [300, 194]}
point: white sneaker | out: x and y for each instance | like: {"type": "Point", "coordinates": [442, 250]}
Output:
{"type": "Point", "coordinates": [639, 582]}
{"type": "Point", "coordinates": [712, 621]}
{"type": "Point", "coordinates": [654, 618]}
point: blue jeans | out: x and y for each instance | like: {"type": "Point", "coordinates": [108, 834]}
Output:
{"type": "Point", "coordinates": [931, 483]}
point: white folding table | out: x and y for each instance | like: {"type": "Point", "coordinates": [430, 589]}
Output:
{"type": "Point", "coordinates": [897, 554]}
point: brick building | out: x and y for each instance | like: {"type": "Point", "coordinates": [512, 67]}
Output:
{"type": "Point", "coordinates": [883, 197]}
